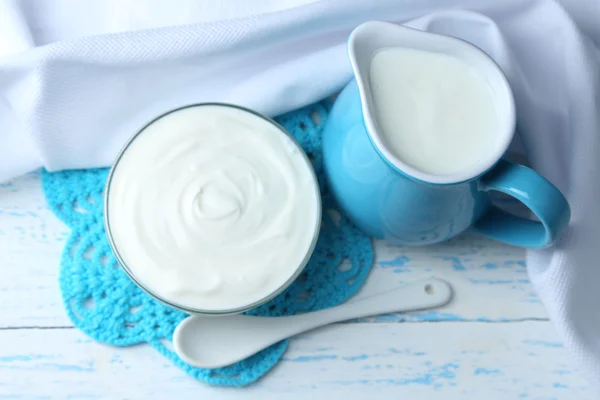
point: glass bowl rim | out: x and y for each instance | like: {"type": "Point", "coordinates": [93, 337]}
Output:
{"type": "Point", "coordinates": [191, 310]}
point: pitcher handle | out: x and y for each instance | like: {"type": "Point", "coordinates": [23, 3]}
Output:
{"type": "Point", "coordinates": [536, 193]}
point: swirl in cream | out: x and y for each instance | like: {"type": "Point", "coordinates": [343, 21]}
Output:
{"type": "Point", "coordinates": [212, 208]}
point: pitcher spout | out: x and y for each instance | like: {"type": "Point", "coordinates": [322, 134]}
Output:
{"type": "Point", "coordinates": [364, 42]}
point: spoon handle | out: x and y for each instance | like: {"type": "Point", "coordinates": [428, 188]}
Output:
{"type": "Point", "coordinates": [419, 295]}
{"type": "Point", "coordinates": [216, 342]}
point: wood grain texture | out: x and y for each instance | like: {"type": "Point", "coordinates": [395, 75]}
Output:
{"type": "Point", "coordinates": [493, 341]}
{"type": "Point", "coordinates": [446, 360]}
{"type": "Point", "coordinates": [31, 240]}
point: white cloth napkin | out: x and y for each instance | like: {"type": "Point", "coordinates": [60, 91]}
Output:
{"type": "Point", "coordinates": [77, 79]}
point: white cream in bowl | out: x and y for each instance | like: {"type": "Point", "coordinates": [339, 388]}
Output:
{"type": "Point", "coordinates": [212, 208]}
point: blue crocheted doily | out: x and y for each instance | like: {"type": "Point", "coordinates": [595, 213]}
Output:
{"type": "Point", "coordinates": [104, 303]}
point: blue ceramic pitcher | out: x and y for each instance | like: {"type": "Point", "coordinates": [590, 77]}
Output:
{"type": "Point", "coordinates": [389, 199]}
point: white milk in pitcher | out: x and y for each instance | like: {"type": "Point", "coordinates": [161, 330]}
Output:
{"type": "Point", "coordinates": [435, 112]}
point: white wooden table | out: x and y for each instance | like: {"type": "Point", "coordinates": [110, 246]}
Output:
{"type": "Point", "coordinates": [493, 341]}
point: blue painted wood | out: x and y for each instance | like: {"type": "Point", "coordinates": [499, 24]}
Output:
{"type": "Point", "coordinates": [492, 342]}
{"type": "Point", "coordinates": [385, 360]}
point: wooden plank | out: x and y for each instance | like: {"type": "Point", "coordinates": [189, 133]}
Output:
{"type": "Point", "coordinates": [31, 240]}
{"type": "Point", "coordinates": [446, 360]}
{"type": "Point", "coordinates": [490, 279]}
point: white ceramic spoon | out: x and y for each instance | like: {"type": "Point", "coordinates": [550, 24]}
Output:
{"type": "Point", "coordinates": [212, 342]}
